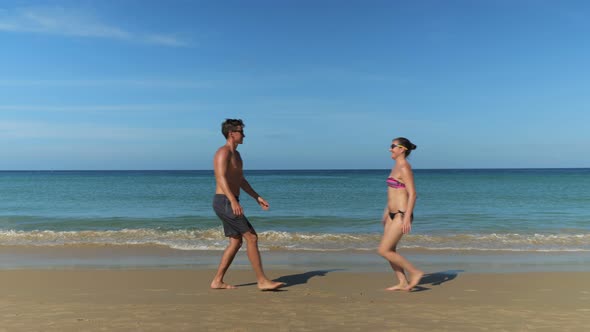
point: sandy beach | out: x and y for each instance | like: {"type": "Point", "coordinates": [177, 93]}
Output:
{"type": "Point", "coordinates": [313, 300]}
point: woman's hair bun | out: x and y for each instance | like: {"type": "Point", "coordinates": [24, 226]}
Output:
{"type": "Point", "coordinates": [407, 144]}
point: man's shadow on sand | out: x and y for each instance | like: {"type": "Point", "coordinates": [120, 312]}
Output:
{"type": "Point", "coordinates": [432, 279]}
{"type": "Point", "coordinates": [303, 278]}
{"type": "Point", "coordinates": [297, 279]}
{"type": "Point", "coordinates": [436, 279]}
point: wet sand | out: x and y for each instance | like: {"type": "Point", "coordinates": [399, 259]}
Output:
{"type": "Point", "coordinates": [313, 300]}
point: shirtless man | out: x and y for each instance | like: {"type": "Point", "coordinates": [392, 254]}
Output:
{"type": "Point", "coordinates": [229, 177]}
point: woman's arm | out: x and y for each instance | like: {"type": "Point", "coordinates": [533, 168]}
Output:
{"type": "Point", "coordinates": [408, 177]}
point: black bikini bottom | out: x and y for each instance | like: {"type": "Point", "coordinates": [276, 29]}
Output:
{"type": "Point", "coordinates": [392, 214]}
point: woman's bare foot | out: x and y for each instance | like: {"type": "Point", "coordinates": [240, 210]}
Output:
{"type": "Point", "coordinates": [414, 280]}
{"type": "Point", "coordinates": [270, 285]}
{"type": "Point", "coordinates": [221, 285]}
{"type": "Point", "coordinates": [400, 286]}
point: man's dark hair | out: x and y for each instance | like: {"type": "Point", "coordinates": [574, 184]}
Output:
{"type": "Point", "coordinates": [230, 125]}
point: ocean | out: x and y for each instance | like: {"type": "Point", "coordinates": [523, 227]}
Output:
{"type": "Point", "coordinates": [479, 210]}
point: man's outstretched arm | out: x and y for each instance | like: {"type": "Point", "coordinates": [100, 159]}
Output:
{"type": "Point", "coordinates": [250, 191]}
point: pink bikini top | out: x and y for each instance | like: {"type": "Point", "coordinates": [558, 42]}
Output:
{"type": "Point", "coordinates": [395, 184]}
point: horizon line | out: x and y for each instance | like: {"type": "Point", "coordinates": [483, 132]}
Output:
{"type": "Point", "coordinates": [283, 169]}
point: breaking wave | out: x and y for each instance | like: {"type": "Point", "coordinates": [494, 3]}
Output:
{"type": "Point", "coordinates": [213, 239]}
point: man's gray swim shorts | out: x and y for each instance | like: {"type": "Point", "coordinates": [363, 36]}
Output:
{"type": "Point", "coordinates": [232, 225]}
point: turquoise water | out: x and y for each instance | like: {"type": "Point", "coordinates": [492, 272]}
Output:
{"type": "Point", "coordinates": [513, 210]}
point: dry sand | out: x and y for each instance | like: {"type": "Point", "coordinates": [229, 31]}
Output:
{"type": "Point", "coordinates": [180, 300]}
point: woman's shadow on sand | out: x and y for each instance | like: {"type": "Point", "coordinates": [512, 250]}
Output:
{"type": "Point", "coordinates": [432, 279]}
{"type": "Point", "coordinates": [297, 279]}
{"type": "Point", "coordinates": [436, 279]}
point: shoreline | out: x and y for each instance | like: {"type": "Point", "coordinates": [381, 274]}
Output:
{"type": "Point", "coordinates": [313, 300]}
{"type": "Point", "coordinates": [160, 257]}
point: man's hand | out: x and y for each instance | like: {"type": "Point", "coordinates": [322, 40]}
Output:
{"type": "Point", "coordinates": [263, 203]}
{"type": "Point", "coordinates": [237, 209]}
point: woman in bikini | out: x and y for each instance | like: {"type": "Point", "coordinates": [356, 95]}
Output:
{"type": "Point", "coordinates": [398, 215]}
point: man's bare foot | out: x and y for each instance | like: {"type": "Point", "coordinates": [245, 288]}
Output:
{"type": "Point", "coordinates": [414, 280]}
{"type": "Point", "coordinates": [400, 286]}
{"type": "Point", "coordinates": [270, 285]}
{"type": "Point", "coordinates": [221, 285]}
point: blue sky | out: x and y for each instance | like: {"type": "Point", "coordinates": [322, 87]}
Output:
{"type": "Point", "coordinates": [320, 84]}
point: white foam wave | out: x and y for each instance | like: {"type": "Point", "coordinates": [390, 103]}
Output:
{"type": "Point", "coordinates": [213, 239]}
{"type": "Point", "coordinates": [210, 239]}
